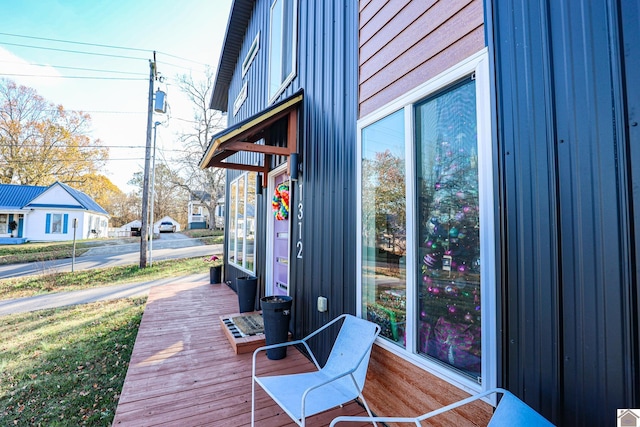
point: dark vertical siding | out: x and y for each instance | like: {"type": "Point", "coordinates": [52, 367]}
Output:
{"type": "Point", "coordinates": [570, 324]}
{"type": "Point", "coordinates": [326, 71]}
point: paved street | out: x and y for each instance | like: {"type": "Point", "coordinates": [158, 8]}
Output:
{"type": "Point", "coordinates": [109, 256]}
{"type": "Point", "coordinates": [170, 246]}
{"type": "Point", "coordinates": [62, 299]}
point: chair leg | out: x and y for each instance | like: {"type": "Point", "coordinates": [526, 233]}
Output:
{"type": "Point", "coordinates": [253, 400]}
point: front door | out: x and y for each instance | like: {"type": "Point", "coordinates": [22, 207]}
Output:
{"type": "Point", "coordinates": [279, 221]}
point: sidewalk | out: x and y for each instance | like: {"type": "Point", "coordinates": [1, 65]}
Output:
{"type": "Point", "coordinates": [62, 299]}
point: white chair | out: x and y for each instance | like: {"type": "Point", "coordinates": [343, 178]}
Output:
{"type": "Point", "coordinates": [340, 380]}
{"type": "Point", "coordinates": [511, 412]}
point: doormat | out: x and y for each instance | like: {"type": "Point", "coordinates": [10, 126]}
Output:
{"type": "Point", "coordinates": [248, 325]}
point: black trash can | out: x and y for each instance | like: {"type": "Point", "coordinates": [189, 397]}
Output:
{"type": "Point", "coordinates": [276, 314]}
{"type": "Point", "coordinates": [246, 288]}
{"type": "Point", "coordinates": [215, 275]}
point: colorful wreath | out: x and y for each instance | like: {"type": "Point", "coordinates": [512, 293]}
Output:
{"type": "Point", "coordinates": [280, 202]}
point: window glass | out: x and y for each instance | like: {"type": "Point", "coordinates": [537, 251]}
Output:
{"type": "Point", "coordinates": [242, 200]}
{"type": "Point", "coordinates": [233, 200]}
{"type": "Point", "coordinates": [56, 223]}
{"type": "Point", "coordinates": [241, 221]}
{"type": "Point", "coordinates": [4, 223]}
{"type": "Point", "coordinates": [384, 241]}
{"type": "Point", "coordinates": [440, 302]}
{"type": "Point", "coordinates": [251, 221]}
{"type": "Point", "coordinates": [448, 220]}
{"type": "Point", "coordinates": [282, 45]}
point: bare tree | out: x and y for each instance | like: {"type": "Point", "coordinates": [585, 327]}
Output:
{"type": "Point", "coordinates": [206, 186]}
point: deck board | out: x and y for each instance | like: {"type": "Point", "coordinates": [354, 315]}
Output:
{"type": "Point", "coordinates": [184, 372]}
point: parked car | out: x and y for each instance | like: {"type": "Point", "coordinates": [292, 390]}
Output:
{"type": "Point", "coordinates": [166, 227]}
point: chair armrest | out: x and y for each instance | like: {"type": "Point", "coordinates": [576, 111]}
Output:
{"type": "Point", "coordinates": [284, 344]}
{"type": "Point", "coordinates": [418, 419]}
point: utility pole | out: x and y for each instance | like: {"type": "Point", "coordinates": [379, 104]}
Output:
{"type": "Point", "coordinates": [144, 228]}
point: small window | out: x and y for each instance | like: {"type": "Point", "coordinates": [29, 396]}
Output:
{"type": "Point", "coordinates": [4, 223]}
{"type": "Point", "coordinates": [56, 223]}
{"type": "Point", "coordinates": [282, 46]}
{"type": "Point", "coordinates": [253, 51]}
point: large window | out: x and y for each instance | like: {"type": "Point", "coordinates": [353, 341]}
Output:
{"type": "Point", "coordinates": [427, 270]}
{"type": "Point", "coordinates": [282, 45]}
{"type": "Point", "coordinates": [242, 222]}
{"type": "Point", "coordinates": [384, 225]}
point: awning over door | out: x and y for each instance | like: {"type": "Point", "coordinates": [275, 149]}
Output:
{"type": "Point", "coordinates": [247, 135]}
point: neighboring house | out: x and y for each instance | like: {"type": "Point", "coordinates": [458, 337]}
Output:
{"type": "Point", "coordinates": [467, 184]}
{"type": "Point", "coordinates": [50, 213]}
{"type": "Point", "coordinates": [198, 213]}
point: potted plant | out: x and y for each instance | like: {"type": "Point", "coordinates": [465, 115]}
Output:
{"type": "Point", "coordinates": [215, 269]}
{"type": "Point", "coordinates": [12, 226]}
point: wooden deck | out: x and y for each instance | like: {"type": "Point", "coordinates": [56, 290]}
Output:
{"type": "Point", "coordinates": [184, 372]}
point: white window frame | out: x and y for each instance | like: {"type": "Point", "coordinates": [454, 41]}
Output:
{"type": "Point", "coordinates": [477, 65]}
{"type": "Point", "coordinates": [241, 230]}
{"type": "Point", "coordinates": [294, 49]}
{"type": "Point", "coordinates": [251, 54]}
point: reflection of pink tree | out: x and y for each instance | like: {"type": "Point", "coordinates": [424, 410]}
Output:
{"type": "Point", "coordinates": [449, 223]}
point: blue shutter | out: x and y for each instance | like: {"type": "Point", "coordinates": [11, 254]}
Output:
{"type": "Point", "coordinates": [65, 225]}
{"type": "Point", "coordinates": [47, 227]}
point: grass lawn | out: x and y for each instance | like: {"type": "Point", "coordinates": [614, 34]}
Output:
{"type": "Point", "coordinates": [58, 282]}
{"type": "Point", "coordinates": [64, 367]}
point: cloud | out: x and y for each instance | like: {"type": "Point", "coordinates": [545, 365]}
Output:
{"type": "Point", "coordinates": [25, 73]}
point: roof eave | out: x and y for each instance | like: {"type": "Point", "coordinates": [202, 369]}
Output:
{"type": "Point", "coordinates": [239, 17]}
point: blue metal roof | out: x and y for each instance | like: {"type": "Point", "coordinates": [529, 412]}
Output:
{"type": "Point", "coordinates": [17, 196]}
{"type": "Point", "coordinates": [86, 201]}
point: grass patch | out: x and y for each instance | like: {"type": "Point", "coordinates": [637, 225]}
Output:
{"type": "Point", "coordinates": [66, 366]}
{"type": "Point", "coordinates": [208, 237]}
{"type": "Point", "coordinates": [67, 281]}
{"type": "Point", "coordinates": [30, 252]}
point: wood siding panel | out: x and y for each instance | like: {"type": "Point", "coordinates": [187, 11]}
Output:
{"type": "Point", "coordinates": [369, 8]}
{"type": "Point", "coordinates": [398, 57]}
{"type": "Point", "coordinates": [391, 11]}
{"type": "Point", "coordinates": [410, 26]}
{"type": "Point", "coordinates": [380, 92]}
{"type": "Point", "coordinates": [396, 387]}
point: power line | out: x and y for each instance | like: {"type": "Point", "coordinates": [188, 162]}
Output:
{"type": "Point", "coordinates": [77, 68]}
{"type": "Point", "coordinates": [104, 46]}
{"type": "Point", "coordinates": [76, 42]}
{"type": "Point", "coordinates": [73, 77]}
{"type": "Point", "coordinates": [74, 51]}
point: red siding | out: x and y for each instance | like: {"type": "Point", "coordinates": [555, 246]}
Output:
{"type": "Point", "coordinates": [405, 43]}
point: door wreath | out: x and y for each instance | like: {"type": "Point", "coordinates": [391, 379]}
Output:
{"type": "Point", "coordinates": [280, 202]}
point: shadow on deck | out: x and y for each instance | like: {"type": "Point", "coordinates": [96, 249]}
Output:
{"type": "Point", "coordinates": [184, 372]}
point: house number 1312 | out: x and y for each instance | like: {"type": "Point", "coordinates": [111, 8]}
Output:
{"type": "Point", "coordinates": [300, 216]}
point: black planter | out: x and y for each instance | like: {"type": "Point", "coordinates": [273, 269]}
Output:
{"type": "Point", "coordinates": [215, 274]}
{"type": "Point", "coordinates": [246, 288]}
{"type": "Point", "coordinates": [276, 314]}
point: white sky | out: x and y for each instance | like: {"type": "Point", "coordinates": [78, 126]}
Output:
{"type": "Point", "coordinates": [186, 35]}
